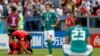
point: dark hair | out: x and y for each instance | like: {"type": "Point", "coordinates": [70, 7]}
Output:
{"type": "Point", "coordinates": [13, 8]}
{"type": "Point", "coordinates": [50, 5]}
{"type": "Point", "coordinates": [29, 38]}
{"type": "Point", "coordinates": [78, 22]}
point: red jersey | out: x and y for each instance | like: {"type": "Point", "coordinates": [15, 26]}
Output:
{"type": "Point", "coordinates": [84, 9]}
{"type": "Point", "coordinates": [27, 45]}
{"type": "Point", "coordinates": [21, 34]}
{"type": "Point", "coordinates": [15, 45]}
{"type": "Point", "coordinates": [70, 22]}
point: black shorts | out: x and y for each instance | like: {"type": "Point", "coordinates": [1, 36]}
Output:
{"type": "Point", "coordinates": [10, 31]}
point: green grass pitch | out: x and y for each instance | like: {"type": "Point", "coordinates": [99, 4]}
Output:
{"type": "Point", "coordinates": [44, 52]}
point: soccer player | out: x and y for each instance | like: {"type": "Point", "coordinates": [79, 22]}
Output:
{"type": "Point", "coordinates": [24, 39]}
{"type": "Point", "coordinates": [70, 21]}
{"type": "Point", "coordinates": [50, 20]}
{"type": "Point", "coordinates": [78, 41]}
{"type": "Point", "coordinates": [13, 23]}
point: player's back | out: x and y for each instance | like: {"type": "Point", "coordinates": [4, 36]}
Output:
{"type": "Point", "coordinates": [78, 35]}
{"type": "Point", "coordinates": [20, 33]}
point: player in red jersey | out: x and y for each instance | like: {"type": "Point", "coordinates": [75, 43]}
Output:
{"type": "Point", "coordinates": [24, 39]}
{"type": "Point", "coordinates": [70, 21]}
{"type": "Point", "coordinates": [12, 23]}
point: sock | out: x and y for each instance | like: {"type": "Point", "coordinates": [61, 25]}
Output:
{"type": "Point", "coordinates": [49, 44]}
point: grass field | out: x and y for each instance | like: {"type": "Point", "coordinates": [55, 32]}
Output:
{"type": "Point", "coordinates": [44, 52]}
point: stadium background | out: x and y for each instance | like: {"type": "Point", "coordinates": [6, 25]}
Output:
{"type": "Point", "coordinates": [38, 43]}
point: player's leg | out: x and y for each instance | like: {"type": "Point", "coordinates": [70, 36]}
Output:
{"type": "Point", "coordinates": [30, 49]}
{"type": "Point", "coordinates": [46, 34]}
{"type": "Point", "coordinates": [15, 47]}
{"type": "Point", "coordinates": [18, 45]}
{"type": "Point", "coordinates": [49, 44]}
{"type": "Point", "coordinates": [66, 49]}
{"type": "Point", "coordinates": [29, 38]}
{"type": "Point", "coordinates": [50, 40]}
{"type": "Point", "coordinates": [10, 46]}
{"type": "Point", "coordinates": [10, 40]}
{"type": "Point", "coordinates": [89, 51]}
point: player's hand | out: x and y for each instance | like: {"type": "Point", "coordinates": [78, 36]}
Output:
{"type": "Point", "coordinates": [53, 25]}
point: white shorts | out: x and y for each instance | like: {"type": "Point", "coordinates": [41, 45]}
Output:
{"type": "Point", "coordinates": [66, 49]}
{"type": "Point", "coordinates": [49, 35]}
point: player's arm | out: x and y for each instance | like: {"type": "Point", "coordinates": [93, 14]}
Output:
{"type": "Point", "coordinates": [43, 22]}
{"type": "Point", "coordinates": [22, 43]}
{"type": "Point", "coordinates": [57, 20]}
{"type": "Point", "coordinates": [88, 37]}
{"type": "Point", "coordinates": [67, 40]}
{"type": "Point", "coordinates": [88, 40]}
{"type": "Point", "coordinates": [5, 25]}
{"type": "Point", "coordinates": [19, 22]}
{"type": "Point", "coordinates": [24, 48]}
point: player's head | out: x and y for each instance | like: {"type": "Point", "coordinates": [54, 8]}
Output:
{"type": "Point", "coordinates": [48, 7]}
{"type": "Point", "coordinates": [13, 9]}
{"type": "Point", "coordinates": [78, 22]}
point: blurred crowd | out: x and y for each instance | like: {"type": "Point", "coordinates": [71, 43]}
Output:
{"type": "Point", "coordinates": [31, 9]}
{"type": "Point", "coordinates": [36, 7]}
